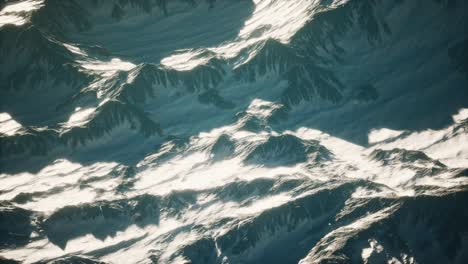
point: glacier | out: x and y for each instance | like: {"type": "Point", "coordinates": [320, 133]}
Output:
{"type": "Point", "coordinates": [233, 131]}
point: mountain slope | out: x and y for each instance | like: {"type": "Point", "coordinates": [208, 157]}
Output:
{"type": "Point", "coordinates": [248, 131]}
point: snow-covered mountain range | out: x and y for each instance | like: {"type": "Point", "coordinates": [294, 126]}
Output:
{"type": "Point", "coordinates": [234, 131]}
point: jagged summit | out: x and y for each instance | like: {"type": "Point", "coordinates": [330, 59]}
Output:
{"type": "Point", "coordinates": [287, 150]}
{"type": "Point", "coordinates": [223, 148]}
{"type": "Point", "coordinates": [404, 156]}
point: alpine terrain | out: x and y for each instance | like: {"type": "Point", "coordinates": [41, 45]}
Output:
{"type": "Point", "coordinates": [234, 131]}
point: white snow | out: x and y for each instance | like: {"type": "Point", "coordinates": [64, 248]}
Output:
{"type": "Point", "coordinates": [378, 135]}
{"type": "Point", "coordinates": [80, 116]}
{"type": "Point", "coordinates": [8, 125]}
{"type": "Point", "coordinates": [16, 13]}
{"type": "Point", "coordinates": [107, 68]}
{"type": "Point", "coordinates": [461, 115]}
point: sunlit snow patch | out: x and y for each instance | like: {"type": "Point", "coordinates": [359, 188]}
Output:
{"type": "Point", "coordinates": [8, 125]}
{"type": "Point", "coordinates": [17, 13]}
{"type": "Point", "coordinates": [187, 59]}
{"type": "Point", "coordinates": [270, 20]}
{"type": "Point", "coordinates": [379, 135]}
{"type": "Point", "coordinates": [80, 116]}
{"type": "Point", "coordinates": [48, 188]}
{"type": "Point", "coordinates": [101, 67]}
{"type": "Point", "coordinates": [462, 115]}
{"type": "Point", "coordinates": [374, 248]}
{"type": "Point", "coordinates": [107, 68]}
{"type": "Point", "coordinates": [74, 49]}
{"type": "Point", "coordinates": [261, 108]}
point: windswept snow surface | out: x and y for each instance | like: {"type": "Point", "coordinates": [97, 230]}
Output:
{"type": "Point", "coordinates": [233, 131]}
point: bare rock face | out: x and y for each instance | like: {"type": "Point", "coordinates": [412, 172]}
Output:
{"type": "Point", "coordinates": [287, 150]}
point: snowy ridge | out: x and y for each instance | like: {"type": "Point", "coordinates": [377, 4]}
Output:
{"type": "Point", "coordinates": [248, 131]}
